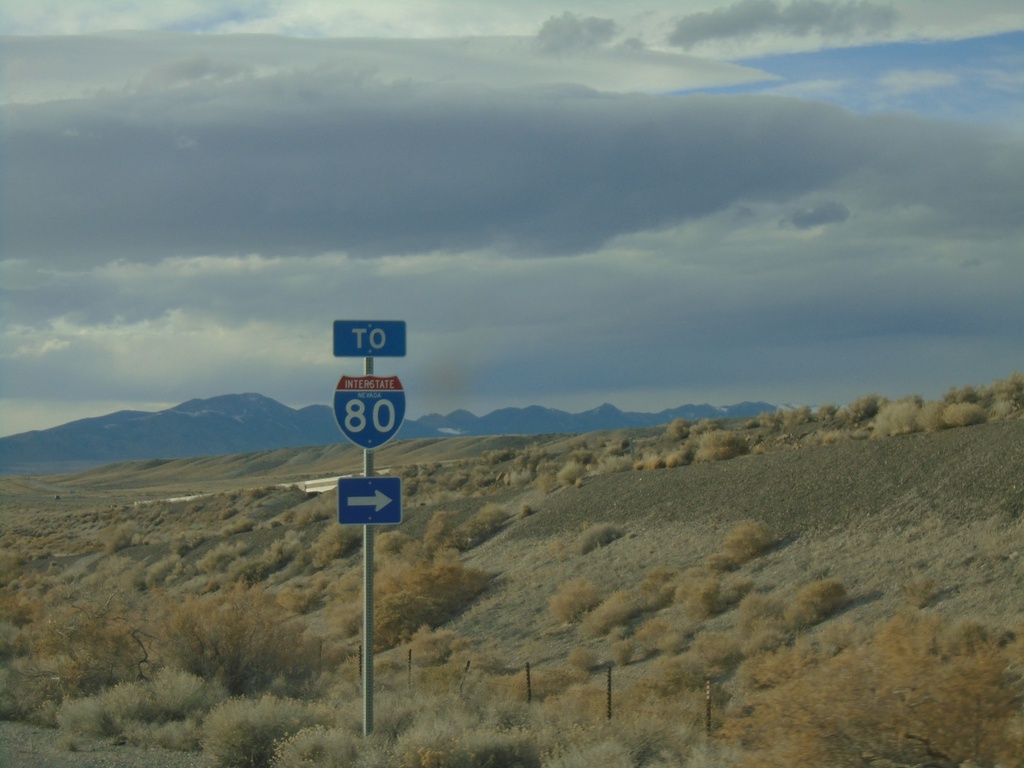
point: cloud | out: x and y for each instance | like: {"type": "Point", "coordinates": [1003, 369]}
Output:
{"type": "Point", "coordinates": [571, 32]}
{"type": "Point", "coordinates": [801, 18]}
{"type": "Point", "coordinates": [55, 68]}
{"type": "Point", "coordinates": [185, 216]}
{"type": "Point", "coordinates": [830, 212]}
{"type": "Point", "coordinates": [313, 161]}
{"type": "Point", "coordinates": [904, 81]}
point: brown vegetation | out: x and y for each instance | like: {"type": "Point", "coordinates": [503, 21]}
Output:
{"type": "Point", "coordinates": [850, 604]}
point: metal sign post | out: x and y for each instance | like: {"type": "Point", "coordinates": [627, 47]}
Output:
{"type": "Point", "coordinates": [369, 412]}
{"type": "Point", "coordinates": [367, 592]}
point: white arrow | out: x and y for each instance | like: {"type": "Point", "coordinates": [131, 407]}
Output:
{"type": "Point", "coordinates": [378, 501]}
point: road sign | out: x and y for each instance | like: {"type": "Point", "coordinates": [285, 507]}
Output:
{"type": "Point", "coordinates": [369, 338]}
{"type": "Point", "coordinates": [369, 500]}
{"type": "Point", "coordinates": [369, 409]}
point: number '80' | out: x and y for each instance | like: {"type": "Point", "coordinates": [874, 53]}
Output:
{"type": "Point", "coordinates": [383, 415]}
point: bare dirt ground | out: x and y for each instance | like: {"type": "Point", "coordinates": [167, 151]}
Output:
{"type": "Point", "coordinates": [28, 746]}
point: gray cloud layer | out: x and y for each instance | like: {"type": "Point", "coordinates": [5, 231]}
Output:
{"type": "Point", "coordinates": [802, 17]}
{"type": "Point", "coordinates": [570, 32]}
{"type": "Point", "coordinates": [314, 161]}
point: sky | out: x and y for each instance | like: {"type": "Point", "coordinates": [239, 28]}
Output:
{"type": "Point", "coordinates": [642, 203]}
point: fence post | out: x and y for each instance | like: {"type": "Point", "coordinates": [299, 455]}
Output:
{"type": "Point", "coordinates": [465, 674]}
{"type": "Point", "coordinates": [529, 687]}
{"type": "Point", "coordinates": [707, 707]}
{"type": "Point", "coordinates": [609, 691]}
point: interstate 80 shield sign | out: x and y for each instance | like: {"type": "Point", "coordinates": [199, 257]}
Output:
{"type": "Point", "coordinates": [369, 409]}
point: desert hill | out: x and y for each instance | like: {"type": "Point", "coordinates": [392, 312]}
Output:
{"type": "Point", "coordinates": [786, 562]}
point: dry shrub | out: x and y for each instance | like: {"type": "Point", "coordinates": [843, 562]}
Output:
{"type": "Point", "coordinates": [441, 532]}
{"type": "Point", "coordinates": [681, 458]}
{"type": "Point", "coordinates": [899, 417]}
{"type": "Point", "coordinates": [397, 544]}
{"type": "Point", "coordinates": [545, 482]}
{"type": "Point", "coordinates": [919, 692]}
{"type": "Point", "coordinates": [701, 594]}
{"type": "Point", "coordinates": [657, 634]}
{"type": "Point", "coordinates": [584, 659]}
{"type": "Point", "coordinates": [18, 608]}
{"type": "Point", "coordinates": [298, 599]}
{"type": "Point", "coordinates": [270, 560]}
{"type": "Point", "coordinates": [85, 641]}
{"type": "Point", "coordinates": [606, 753]}
{"type": "Point", "coordinates": [478, 748]}
{"type": "Point", "coordinates": [826, 412]}
{"type": "Point", "coordinates": [117, 537]}
{"type": "Point", "coordinates": [407, 596]}
{"type": "Point", "coordinates": [240, 524]}
{"type": "Point", "coordinates": [671, 676]}
{"type": "Point", "coordinates": [705, 594]}
{"type": "Point", "coordinates": [862, 409]}
{"type": "Point", "coordinates": [720, 445]}
{"type": "Point", "coordinates": [757, 609]}
{"type": "Point", "coordinates": [929, 418]}
{"type": "Point", "coordinates": [573, 600]}
{"type": "Point", "coordinates": [706, 425]}
{"type": "Point", "coordinates": [597, 536]}
{"type": "Point", "coordinates": [963, 415]}
{"type": "Point", "coordinates": [795, 417]}
{"type": "Point", "coordinates": [624, 651]}
{"type": "Point", "coordinates": [746, 540]}
{"type": "Point", "coordinates": [814, 603]}
{"type": "Point", "coordinates": [127, 709]}
{"type": "Point", "coordinates": [718, 652]}
{"type": "Point", "coordinates": [920, 592]}
{"type": "Point", "coordinates": [544, 682]}
{"type": "Point", "coordinates": [779, 666]}
{"type": "Point", "coordinates": [165, 570]}
{"type": "Point", "coordinates": [317, 747]}
{"type": "Point", "coordinates": [765, 636]}
{"type": "Point", "coordinates": [657, 588]}
{"type": "Point", "coordinates": [650, 461]}
{"type": "Point", "coordinates": [243, 732]}
{"type": "Point", "coordinates": [334, 542]}
{"type": "Point", "coordinates": [571, 472]}
{"type": "Point", "coordinates": [433, 646]}
{"type": "Point", "coordinates": [482, 525]}
{"type": "Point", "coordinates": [236, 636]}
{"type": "Point", "coordinates": [615, 610]}
{"type": "Point", "coordinates": [678, 430]}
{"type": "Point", "coordinates": [220, 556]}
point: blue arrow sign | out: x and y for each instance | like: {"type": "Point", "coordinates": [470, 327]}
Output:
{"type": "Point", "coordinates": [370, 500]}
{"type": "Point", "coordinates": [369, 338]}
{"type": "Point", "coordinates": [369, 409]}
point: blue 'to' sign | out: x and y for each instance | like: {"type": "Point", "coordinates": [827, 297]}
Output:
{"type": "Point", "coordinates": [369, 409]}
{"type": "Point", "coordinates": [369, 338]}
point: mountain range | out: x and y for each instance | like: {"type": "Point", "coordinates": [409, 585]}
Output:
{"type": "Point", "coordinates": [251, 422]}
